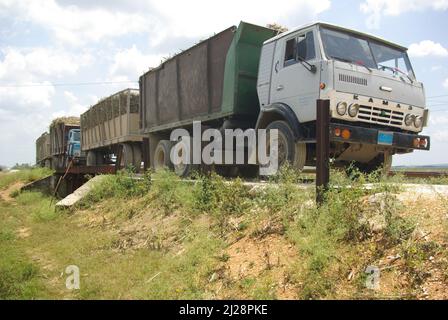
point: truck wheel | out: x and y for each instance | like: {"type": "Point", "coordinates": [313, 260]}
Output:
{"type": "Point", "coordinates": [162, 155]}
{"type": "Point", "coordinates": [127, 156]}
{"type": "Point", "coordinates": [137, 151]}
{"type": "Point", "coordinates": [288, 150]}
{"type": "Point", "coordinates": [184, 169]}
{"type": "Point", "coordinates": [91, 158]}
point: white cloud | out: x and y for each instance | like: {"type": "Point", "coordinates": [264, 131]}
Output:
{"type": "Point", "coordinates": [24, 74]}
{"type": "Point", "coordinates": [74, 107]}
{"type": "Point", "coordinates": [441, 119]}
{"type": "Point", "coordinates": [219, 15]}
{"type": "Point", "coordinates": [129, 64]}
{"type": "Point", "coordinates": [74, 25]}
{"type": "Point", "coordinates": [427, 48]}
{"type": "Point", "coordinates": [445, 83]}
{"type": "Point", "coordinates": [441, 135]}
{"type": "Point", "coordinates": [376, 9]}
{"type": "Point", "coordinates": [86, 21]}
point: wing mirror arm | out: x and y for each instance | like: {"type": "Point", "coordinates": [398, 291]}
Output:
{"type": "Point", "coordinates": [310, 67]}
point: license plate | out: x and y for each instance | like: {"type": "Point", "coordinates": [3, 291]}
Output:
{"type": "Point", "coordinates": [385, 138]}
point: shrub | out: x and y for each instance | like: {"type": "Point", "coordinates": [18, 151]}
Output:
{"type": "Point", "coordinates": [213, 194]}
{"type": "Point", "coordinates": [122, 185]}
{"type": "Point", "coordinates": [168, 192]}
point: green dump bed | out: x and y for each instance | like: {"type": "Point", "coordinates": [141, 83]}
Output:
{"type": "Point", "coordinates": [211, 80]}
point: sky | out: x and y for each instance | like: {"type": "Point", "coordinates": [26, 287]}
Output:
{"type": "Point", "coordinates": [59, 57]}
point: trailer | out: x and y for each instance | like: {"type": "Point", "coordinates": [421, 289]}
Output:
{"type": "Point", "coordinates": [111, 127]}
{"type": "Point", "coordinates": [251, 77]}
{"type": "Point", "coordinates": [43, 153]}
{"type": "Point", "coordinates": [212, 82]}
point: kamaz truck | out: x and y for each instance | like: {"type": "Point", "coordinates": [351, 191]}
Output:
{"type": "Point", "coordinates": [250, 77]}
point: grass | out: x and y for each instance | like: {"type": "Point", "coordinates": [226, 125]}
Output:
{"type": "Point", "coordinates": [158, 237]}
{"type": "Point", "coordinates": [25, 176]}
{"type": "Point", "coordinates": [20, 277]}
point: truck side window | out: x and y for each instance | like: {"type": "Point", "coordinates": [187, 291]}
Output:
{"type": "Point", "coordinates": [290, 52]}
{"type": "Point", "coordinates": [305, 47]}
{"type": "Point", "coordinates": [302, 46]}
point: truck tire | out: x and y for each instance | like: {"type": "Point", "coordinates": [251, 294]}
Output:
{"type": "Point", "coordinates": [137, 151]}
{"type": "Point", "coordinates": [162, 155]}
{"type": "Point", "coordinates": [184, 169]}
{"type": "Point", "coordinates": [288, 150]}
{"type": "Point", "coordinates": [91, 158]}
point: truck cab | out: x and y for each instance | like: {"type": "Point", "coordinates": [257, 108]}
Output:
{"type": "Point", "coordinates": [74, 143]}
{"type": "Point", "coordinates": [373, 92]}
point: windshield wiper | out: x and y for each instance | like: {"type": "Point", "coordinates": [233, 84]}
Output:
{"type": "Point", "coordinates": [310, 67]}
{"type": "Point", "coordinates": [395, 70]}
{"type": "Point", "coordinates": [353, 62]}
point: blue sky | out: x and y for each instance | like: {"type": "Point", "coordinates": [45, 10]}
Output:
{"type": "Point", "coordinates": [45, 44]}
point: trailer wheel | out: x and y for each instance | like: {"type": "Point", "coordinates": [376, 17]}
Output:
{"type": "Point", "coordinates": [162, 155]}
{"type": "Point", "coordinates": [288, 150]}
{"type": "Point", "coordinates": [178, 150]}
{"type": "Point", "coordinates": [137, 152]}
{"type": "Point", "coordinates": [91, 158]}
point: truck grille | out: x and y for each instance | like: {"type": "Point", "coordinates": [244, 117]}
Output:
{"type": "Point", "coordinates": [352, 79]}
{"type": "Point", "coordinates": [380, 115]}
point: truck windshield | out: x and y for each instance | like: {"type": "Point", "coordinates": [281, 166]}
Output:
{"type": "Point", "coordinates": [76, 136]}
{"type": "Point", "coordinates": [351, 48]}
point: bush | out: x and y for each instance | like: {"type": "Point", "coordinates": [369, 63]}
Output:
{"type": "Point", "coordinates": [122, 185]}
{"type": "Point", "coordinates": [213, 194]}
{"type": "Point", "coordinates": [168, 192]}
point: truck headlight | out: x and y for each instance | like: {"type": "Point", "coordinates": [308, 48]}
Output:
{"type": "Point", "coordinates": [341, 108]}
{"type": "Point", "coordinates": [353, 110]}
{"type": "Point", "coordinates": [409, 119]}
{"type": "Point", "coordinates": [418, 121]}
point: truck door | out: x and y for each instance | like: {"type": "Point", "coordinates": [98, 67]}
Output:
{"type": "Point", "coordinates": [292, 81]}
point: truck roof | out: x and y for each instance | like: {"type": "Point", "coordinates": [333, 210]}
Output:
{"type": "Point", "coordinates": [334, 26]}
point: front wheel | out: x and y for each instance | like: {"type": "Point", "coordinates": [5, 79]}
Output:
{"type": "Point", "coordinates": [289, 151]}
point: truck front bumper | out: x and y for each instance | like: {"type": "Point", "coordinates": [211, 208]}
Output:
{"type": "Point", "coordinates": [396, 140]}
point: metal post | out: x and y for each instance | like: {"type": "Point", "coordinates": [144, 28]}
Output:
{"type": "Point", "coordinates": [322, 149]}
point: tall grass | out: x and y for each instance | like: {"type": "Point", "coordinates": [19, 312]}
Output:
{"type": "Point", "coordinates": [25, 176]}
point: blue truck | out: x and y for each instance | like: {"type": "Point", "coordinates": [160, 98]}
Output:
{"type": "Point", "coordinates": [62, 145]}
